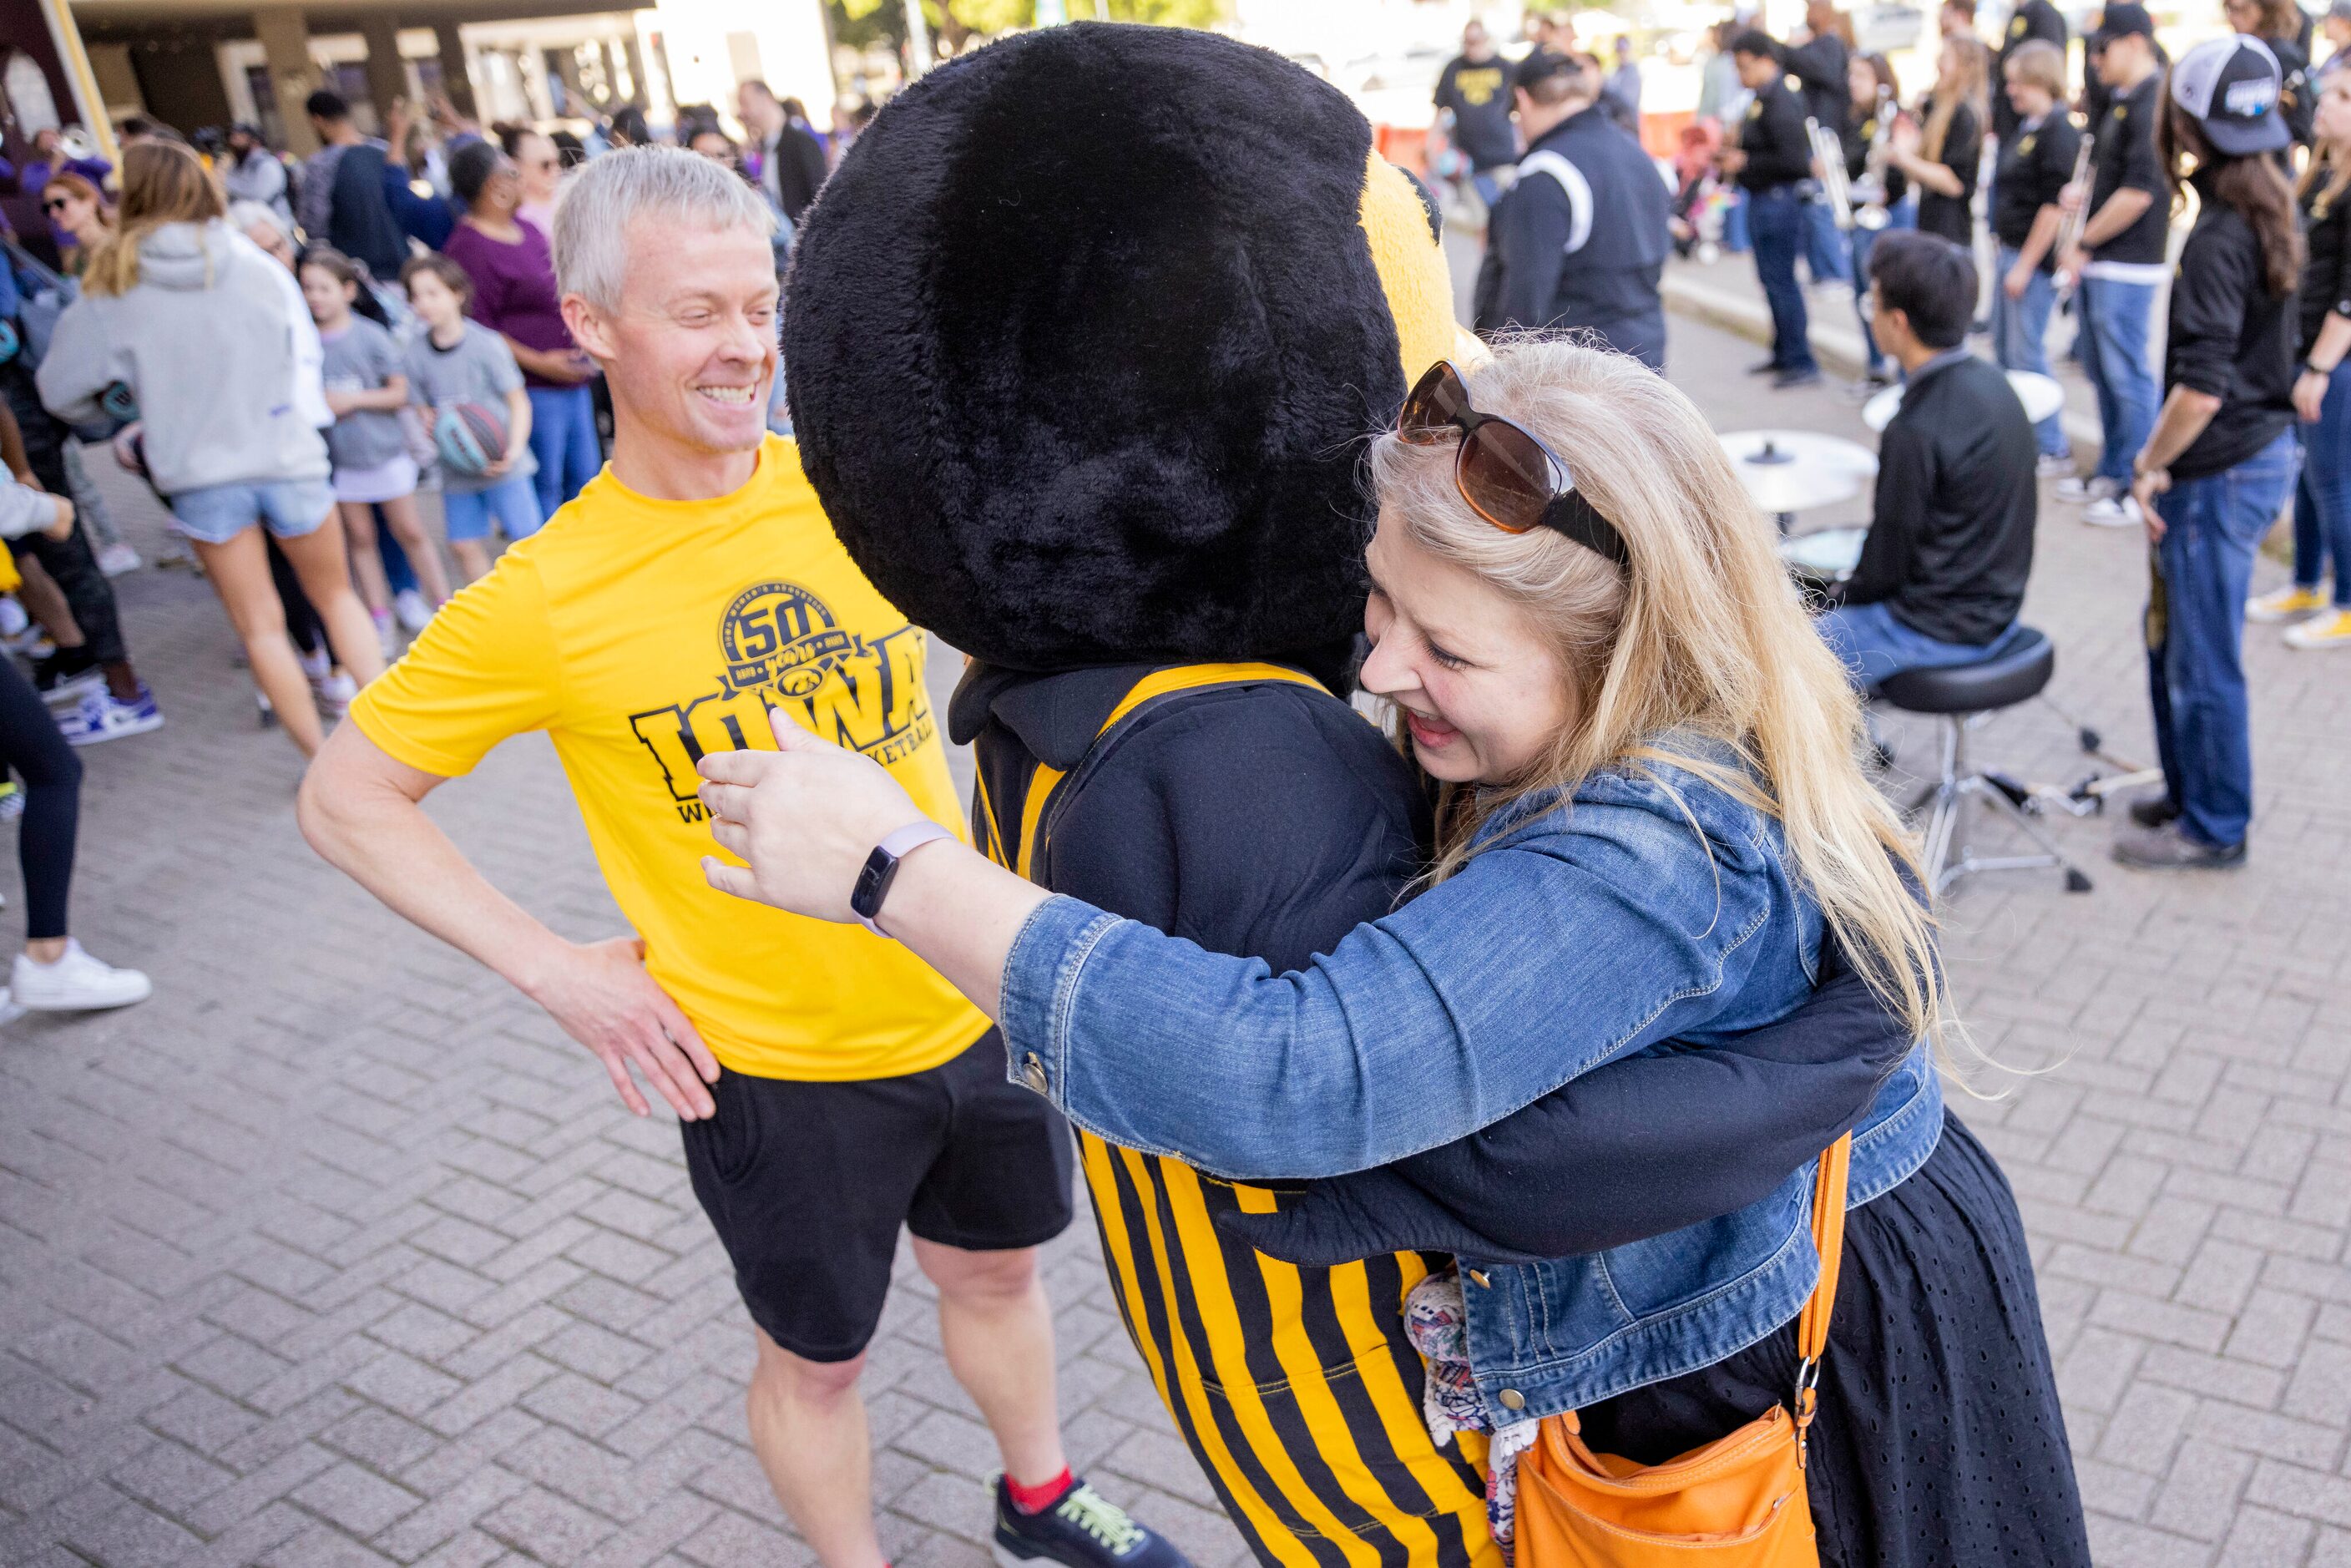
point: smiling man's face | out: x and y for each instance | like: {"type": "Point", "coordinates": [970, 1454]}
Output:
{"type": "Point", "coordinates": [690, 351]}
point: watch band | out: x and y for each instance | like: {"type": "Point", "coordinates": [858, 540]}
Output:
{"type": "Point", "coordinates": [882, 867]}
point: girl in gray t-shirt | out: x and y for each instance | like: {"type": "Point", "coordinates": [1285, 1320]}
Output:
{"type": "Point", "coordinates": [366, 388]}
{"type": "Point", "coordinates": [456, 360]}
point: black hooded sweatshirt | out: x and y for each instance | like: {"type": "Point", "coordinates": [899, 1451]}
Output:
{"type": "Point", "coordinates": [1269, 820]}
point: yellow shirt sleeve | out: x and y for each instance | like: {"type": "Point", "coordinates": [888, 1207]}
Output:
{"type": "Point", "coordinates": [485, 668]}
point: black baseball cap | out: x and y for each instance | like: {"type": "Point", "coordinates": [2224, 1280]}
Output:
{"type": "Point", "coordinates": [2121, 20]}
{"type": "Point", "coordinates": [1541, 65]}
{"type": "Point", "coordinates": [2231, 86]}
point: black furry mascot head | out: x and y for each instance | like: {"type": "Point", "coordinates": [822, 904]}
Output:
{"type": "Point", "coordinates": [1084, 338]}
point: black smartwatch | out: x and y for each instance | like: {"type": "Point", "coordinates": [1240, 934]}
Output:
{"type": "Point", "coordinates": [881, 869]}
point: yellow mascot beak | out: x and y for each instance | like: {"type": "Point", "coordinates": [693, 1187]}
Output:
{"type": "Point", "coordinates": [1412, 272]}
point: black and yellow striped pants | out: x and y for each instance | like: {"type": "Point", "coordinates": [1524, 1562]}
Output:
{"type": "Point", "coordinates": [1295, 1387]}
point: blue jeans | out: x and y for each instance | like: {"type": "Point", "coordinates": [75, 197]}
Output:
{"type": "Point", "coordinates": [2113, 355]}
{"type": "Point", "coordinates": [1776, 219]}
{"type": "Point", "coordinates": [563, 439]}
{"type": "Point", "coordinates": [1824, 246]}
{"type": "Point", "coordinates": [1872, 643]}
{"type": "Point", "coordinates": [512, 503]}
{"type": "Point", "coordinates": [2196, 632]}
{"type": "Point", "coordinates": [2020, 337]}
{"type": "Point", "coordinates": [2322, 502]}
{"type": "Point", "coordinates": [1903, 215]}
{"type": "Point", "coordinates": [1735, 235]}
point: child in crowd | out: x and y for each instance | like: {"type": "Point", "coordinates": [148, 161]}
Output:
{"type": "Point", "coordinates": [366, 388]}
{"type": "Point", "coordinates": [456, 360]}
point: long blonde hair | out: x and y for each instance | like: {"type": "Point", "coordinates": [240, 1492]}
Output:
{"type": "Point", "coordinates": [163, 182]}
{"type": "Point", "coordinates": [1966, 85]}
{"type": "Point", "coordinates": [1703, 635]}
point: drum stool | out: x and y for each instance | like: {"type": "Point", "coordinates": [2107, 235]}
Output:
{"type": "Point", "coordinates": [2013, 670]}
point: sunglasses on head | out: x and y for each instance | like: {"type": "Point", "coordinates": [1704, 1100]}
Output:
{"type": "Point", "coordinates": [1506, 475]}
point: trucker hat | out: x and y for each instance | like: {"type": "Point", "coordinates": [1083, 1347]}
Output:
{"type": "Point", "coordinates": [2231, 86]}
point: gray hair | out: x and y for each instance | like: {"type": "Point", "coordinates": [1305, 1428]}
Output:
{"type": "Point", "coordinates": [244, 215]}
{"type": "Point", "coordinates": [682, 188]}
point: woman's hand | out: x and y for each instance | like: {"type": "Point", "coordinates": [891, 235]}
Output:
{"type": "Point", "coordinates": [2019, 279]}
{"type": "Point", "coordinates": [802, 818]}
{"type": "Point", "coordinates": [2309, 393]}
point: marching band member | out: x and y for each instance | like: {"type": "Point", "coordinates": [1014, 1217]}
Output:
{"type": "Point", "coordinates": [1942, 155]}
{"type": "Point", "coordinates": [2220, 461]}
{"type": "Point", "coordinates": [1773, 157]}
{"type": "Point", "coordinates": [1869, 121]}
{"type": "Point", "coordinates": [2036, 162]}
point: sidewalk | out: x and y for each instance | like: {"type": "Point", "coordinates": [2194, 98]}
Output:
{"type": "Point", "coordinates": [337, 1253]}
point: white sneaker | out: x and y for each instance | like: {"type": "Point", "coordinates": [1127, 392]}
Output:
{"type": "Point", "coordinates": [317, 664]}
{"type": "Point", "coordinates": [102, 717]}
{"type": "Point", "coordinates": [2078, 490]}
{"type": "Point", "coordinates": [2058, 465]}
{"type": "Point", "coordinates": [10, 1008]}
{"type": "Point", "coordinates": [117, 558]}
{"type": "Point", "coordinates": [414, 612]}
{"type": "Point", "coordinates": [2114, 512]}
{"type": "Point", "coordinates": [2291, 602]}
{"type": "Point", "coordinates": [75, 983]}
{"type": "Point", "coordinates": [335, 694]}
{"type": "Point", "coordinates": [2331, 630]}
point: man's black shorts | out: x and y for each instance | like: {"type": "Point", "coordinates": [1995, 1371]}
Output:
{"type": "Point", "coordinates": [807, 1184]}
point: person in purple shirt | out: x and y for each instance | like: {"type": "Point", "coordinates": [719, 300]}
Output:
{"type": "Point", "coordinates": [513, 273]}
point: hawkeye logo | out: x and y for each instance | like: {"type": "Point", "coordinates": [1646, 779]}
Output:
{"type": "Point", "coordinates": [782, 646]}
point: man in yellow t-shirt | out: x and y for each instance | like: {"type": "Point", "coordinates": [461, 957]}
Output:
{"type": "Point", "coordinates": [830, 1087]}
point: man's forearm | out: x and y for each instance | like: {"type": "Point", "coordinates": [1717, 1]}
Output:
{"type": "Point", "coordinates": [2044, 234]}
{"type": "Point", "coordinates": [384, 842]}
{"type": "Point", "coordinates": [2185, 414]}
{"type": "Point", "coordinates": [2121, 210]}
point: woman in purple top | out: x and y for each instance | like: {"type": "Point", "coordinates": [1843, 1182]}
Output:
{"type": "Point", "coordinates": [513, 273]}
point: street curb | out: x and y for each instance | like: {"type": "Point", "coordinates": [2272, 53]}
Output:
{"type": "Point", "coordinates": [1839, 351]}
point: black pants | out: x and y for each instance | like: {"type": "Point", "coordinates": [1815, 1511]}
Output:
{"type": "Point", "coordinates": [88, 595]}
{"type": "Point", "coordinates": [70, 562]}
{"type": "Point", "coordinates": [31, 745]}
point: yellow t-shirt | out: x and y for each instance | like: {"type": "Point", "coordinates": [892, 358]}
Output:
{"type": "Point", "coordinates": [640, 634]}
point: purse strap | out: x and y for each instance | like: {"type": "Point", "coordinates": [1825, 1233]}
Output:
{"type": "Point", "coordinates": [1828, 1240]}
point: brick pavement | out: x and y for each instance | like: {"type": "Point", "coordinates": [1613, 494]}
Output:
{"type": "Point", "coordinates": [337, 1252]}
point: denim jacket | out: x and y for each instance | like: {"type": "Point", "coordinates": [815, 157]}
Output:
{"type": "Point", "coordinates": [1651, 907]}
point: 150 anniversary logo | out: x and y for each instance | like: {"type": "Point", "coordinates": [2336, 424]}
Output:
{"type": "Point", "coordinates": [782, 646]}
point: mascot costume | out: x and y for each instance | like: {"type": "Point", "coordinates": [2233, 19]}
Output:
{"type": "Point", "coordinates": [1084, 339]}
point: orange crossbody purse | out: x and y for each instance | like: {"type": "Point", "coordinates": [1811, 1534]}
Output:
{"type": "Point", "coordinates": [1737, 1503]}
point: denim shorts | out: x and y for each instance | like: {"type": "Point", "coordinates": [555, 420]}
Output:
{"type": "Point", "coordinates": [289, 508]}
{"type": "Point", "coordinates": [512, 503]}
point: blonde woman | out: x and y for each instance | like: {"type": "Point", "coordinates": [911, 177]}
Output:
{"type": "Point", "coordinates": [207, 336]}
{"type": "Point", "coordinates": [1652, 820]}
{"type": "Point", "coordinates": [1942, 154]}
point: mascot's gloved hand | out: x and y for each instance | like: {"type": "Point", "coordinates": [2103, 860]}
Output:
{"type": "Point", "coordinates": [1365, 1215]}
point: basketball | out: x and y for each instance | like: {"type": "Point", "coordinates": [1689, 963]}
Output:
{"type": "Point", "coordinates": [469, 437]}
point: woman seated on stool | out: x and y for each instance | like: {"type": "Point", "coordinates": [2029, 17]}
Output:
{"type": "Point", "coordinates": [1943, 573]}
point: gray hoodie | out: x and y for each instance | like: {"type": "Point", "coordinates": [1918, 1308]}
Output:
{"type": "Point", "coordinates": [209, 341]}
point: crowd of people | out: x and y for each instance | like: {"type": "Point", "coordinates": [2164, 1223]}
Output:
{"type": "Point", "coordinates": [2063, 201]}
{"type": "Point", "coordinates": [290, 356]}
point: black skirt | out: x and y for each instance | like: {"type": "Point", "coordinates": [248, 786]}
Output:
{"type": "Point", "coordinates": [1939, 1441]}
